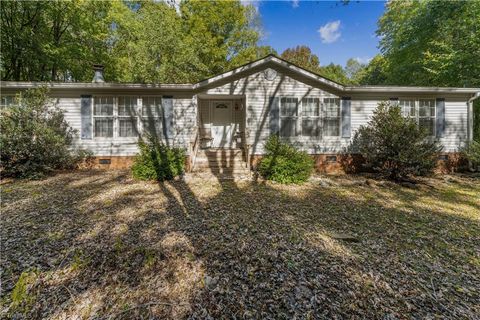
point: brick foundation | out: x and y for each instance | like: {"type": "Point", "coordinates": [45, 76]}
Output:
{"type": "Point", "coordinates": [324, 163]}
{"type": "Point", "coordinates": [341, 163]}
{"type": "Point", "coordinates": [117, 162]}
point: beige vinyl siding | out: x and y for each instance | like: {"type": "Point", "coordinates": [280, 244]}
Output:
{"type": "Point", "coordinates": [184, 119]}
{"type": "Point", "coordinates": [258, 91]}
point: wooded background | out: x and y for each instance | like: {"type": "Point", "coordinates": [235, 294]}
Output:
{"type": "Point", "coordinates": [426, 43]}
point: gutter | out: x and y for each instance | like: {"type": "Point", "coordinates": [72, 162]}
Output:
{"type": "Point", "coordinates": [470, 123]}
{"type": "Point", "coordinates": [470, 114]}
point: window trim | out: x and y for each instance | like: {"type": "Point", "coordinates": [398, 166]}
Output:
{"type": "Point", "coordinates": [318, 118]}
{"type": "Point", "coordinates": [12, 102]}
{"type": "Point", "coordinates": [338, 117]}
{"type": "Point", "coordinates": [417, 116]}
{"type": "Point", "coordinates": [115, 116]}
{"type": "Point", "coordinates": [295, 118]}
{"type": "Point", "coordinates": [94, 135]}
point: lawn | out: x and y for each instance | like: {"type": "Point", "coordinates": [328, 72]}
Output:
{"type": "Point", "coordinates": [101, 245]}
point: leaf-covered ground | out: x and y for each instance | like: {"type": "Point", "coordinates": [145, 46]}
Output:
{"type": "Point", "coordinates": [99, 245]}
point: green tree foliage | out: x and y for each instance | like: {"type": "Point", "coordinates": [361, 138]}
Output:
{"type": "Point", "coordinates": [472, 153]}
{"type": "Point", "coordinates": [354, 70]}
{"type": "Point", "coordinates": [53, 40]}
{"type": "Point", "coordinates": [394, 145]}
{"type": "Point", "coordinates": [305, 58]}
{"type": "Point", "coordinates": [433, 43]}
{"type": "Point", "coordinates": [157, 161]}
{"type": "Point", "coordinates": [375, 72]}
{"type": "Point", "coordinates": [35, 138]}
{"type": "Point", "coordinates": [335, 72]}
{"type": "Point", "coordinates": [285, 164]}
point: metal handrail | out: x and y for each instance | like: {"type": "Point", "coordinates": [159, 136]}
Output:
{"type": "Point", "coordinates": [194, 148]}
{"type": "Point", "coordinates": [246, 148]}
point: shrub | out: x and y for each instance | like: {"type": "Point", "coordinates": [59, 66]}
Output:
{"type": "Point", "coordinates": [157, 161]}
{"type": "Point", "coordinates": [35, 139]}
{"type": "Point", "coordinates": [472, 153]}
{"type": "Point", "coordinates": [285, 164]}
{"type": "Point", "coordinates": [394, 145]}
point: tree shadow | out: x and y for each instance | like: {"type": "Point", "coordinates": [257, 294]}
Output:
{"type": "Point", "coordinates": [108, 246]}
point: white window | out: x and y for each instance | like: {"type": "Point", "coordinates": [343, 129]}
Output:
{"type": "Point", "coordinates": [426, 115]}
{"type": "Point", "coordinates": [422, 111]}
{"type": "Point", "coordinates": [288, 116]}
{"type": "Point", "coordinates": [103, 117]}
{"type": "Point", "coordinates": [311, 125]}
{"type": "Point", "coordinates": [408, 108]}
{"type": "Point", "coordinates": [7, 101]}
{"type": "Point", "coordinates": [152, 115]}
{"type": "Point", "coordinates": [331, 123]}
{"type": "Point", "coordinates": [127, 117]}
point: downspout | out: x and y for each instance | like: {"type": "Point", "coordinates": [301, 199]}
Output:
{"type": "Point", "coordinates": [470, 122]}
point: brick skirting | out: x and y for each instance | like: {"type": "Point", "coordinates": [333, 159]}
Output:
{"type": "Point", "coordinates": [324, 163]}
{"type": "Point", "coordinates": [341, 163]}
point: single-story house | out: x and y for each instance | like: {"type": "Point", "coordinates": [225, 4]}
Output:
{"type": "Point", "coordinates": [230, 116]}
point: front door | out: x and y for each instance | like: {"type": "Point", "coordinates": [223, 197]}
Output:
{"type": "Point", "coordinates": [222, 129]}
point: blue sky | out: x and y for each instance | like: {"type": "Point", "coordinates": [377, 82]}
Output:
{"type": "Point", "coordinates": [335, 32]}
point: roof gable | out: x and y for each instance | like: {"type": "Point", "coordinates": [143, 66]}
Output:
{"type": "Point", "coordinates": [265, 63]}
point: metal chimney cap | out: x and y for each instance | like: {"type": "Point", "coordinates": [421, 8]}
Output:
{"type": "Point", "coordinates": [98, 77]}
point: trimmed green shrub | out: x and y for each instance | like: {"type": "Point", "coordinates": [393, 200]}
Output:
{"type": "Point", "coordinates": [394, 145]}
{"type": "Point", "coordinates": [472, 153]}
{"type": "Point", "coordinates": [157, 161]}
{"type": "Point", "coordinates": [35, 139]}
{"type": "Point", "coordinates": [285, 164]}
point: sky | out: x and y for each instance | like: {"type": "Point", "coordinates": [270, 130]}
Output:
{"type": "Point", "coordinates": [335, 32]}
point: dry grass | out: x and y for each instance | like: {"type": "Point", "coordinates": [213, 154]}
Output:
{"type": "Point", "coordinates": [101, 245]}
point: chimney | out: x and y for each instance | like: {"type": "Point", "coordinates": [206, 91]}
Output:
{"type": "Point", "coordinates": [98, 77]}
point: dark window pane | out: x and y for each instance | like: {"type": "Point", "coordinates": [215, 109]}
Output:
{"type": "Point", "coordinates": [104, 127]}
{"type": "Point", "coordinates": [310, 128]}
{"type": "Point", "coordinates": [127, 127]}
{"type": "Point", "coordinates": [310, 107]}
{"type": "Point", "coordinates": [288, 107]}
{"type": "Point", "coordinates": [332, 127]}
{"type": "Point", "coordinates": [288, 127]}
{"type": "Point", "coordinates": [428, 124]}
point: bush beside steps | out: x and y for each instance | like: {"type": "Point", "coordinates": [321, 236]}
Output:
{"type": "Point", "coordinates": [285, 164]}
{"type": "Point", "coordinates": [157, 161]}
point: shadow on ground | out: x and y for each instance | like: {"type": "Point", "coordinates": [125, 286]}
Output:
{"type": "Point", "coordinates": [101, 245]}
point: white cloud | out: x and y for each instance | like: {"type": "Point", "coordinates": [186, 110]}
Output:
{"type": "Point", "coordinates": [330, 32]}
{"type": "Point", "coordinates": [363, 60]}
{"type": "Point", "coordinates": [295, 3]}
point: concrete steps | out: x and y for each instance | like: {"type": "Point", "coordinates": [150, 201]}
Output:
{"type": "Point", "coordinates": [221, 162]}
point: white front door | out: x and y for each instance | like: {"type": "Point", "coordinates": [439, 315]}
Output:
{"type": "Point", "coordinates": [222, 128]}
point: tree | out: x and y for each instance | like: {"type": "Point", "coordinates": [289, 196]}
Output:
{"type": "Point", "coordinates": [375, 73]}
{"type": "Point", "coordinates": [433, 43]}
{"type": "Point", "coordinates": [354, 70]}
{"type": "Point", "coordinates": [52, 40]}
{"type": "Point", "coordinates": [334, 72]}
{"type": "Point", "coordinates": [394, 145]}
{"type": "Point", "coordinates": [303, 57]}
{"type": "Point", "coordinates": [35, 138]}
